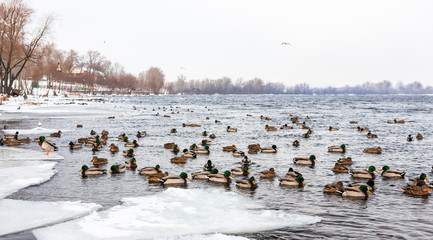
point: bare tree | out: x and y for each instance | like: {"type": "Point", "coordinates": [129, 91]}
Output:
{"type": "Point", "coordinates": [155, 79]}
{"type": "Point", "coordinates": [15, 50]}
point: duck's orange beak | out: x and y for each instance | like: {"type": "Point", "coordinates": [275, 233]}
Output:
{"type": "Point", "coordinates": [426, 178]}
{"type": "Point", "coordinates": [248, 171]}
{"type": "Point", "coordinates": [376, 170]}
{"type": "Point", "coordinates": [80, 170]}
{"type": "Point", "coordinates": [253, 182]}
{"type": "Point", "coordinates": [374, 186]}
{"type": "Point", "coordinates": [231, 175]}
{"type": "Point", "coordinates": [316, 160]}
{"type": "Point", "coordinates": [369, 191]}
{"type": "Point", "coordinates": [380, 170]}
{"type": "Point", "coordinates": [303, 182]}
{"type": "Point", "coordinates": [188, 178]}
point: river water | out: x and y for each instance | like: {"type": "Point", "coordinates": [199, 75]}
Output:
{"type": "Point", "coordinates": [387, 211]}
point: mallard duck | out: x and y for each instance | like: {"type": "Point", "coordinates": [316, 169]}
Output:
{"type": "Point", "coordinates": [418, 181]}
{"type": "Point", "coordinates": [175, 149]}
{"type": "Point", "coordinates": [128, 153]}
{"type": "Point", "coordinates": [306, 135]}
{"type": "Point", "coordinates": [114, 148]}
{"type": "Point", "coordinates": [409, 138]}
{"type": "Point", "coordinates": [121, 137]}
{"type": "Point", "coordinates": [117, 168]}
{"type": "Point", "coordinates": [270, 128]}
{"type": "Point", "coordinates": [96, 147]}
{"type": "Point", "coordinates": [334, 188]}
{"type": "Point", "coordinates": [419, 136]}
{"type": "Point", "coordinates": [366, 174]}
{"type": "Point", "coordinates": [247, 183]}
{"type": "Point", "coordinates": [178, 160]}
{"type": "Point", "coordinates": [230, 129]}
{"type": "Point", "coordinates": [243, 171]}
{"type": "Point", "coordinates": [12, 136]}
{"type": "Point", "coordinates": [169, 145]}
{"type": "Point", "coordinates": [11, 142]}
{"type": "Point", "coordinates": [295, 143]}
{"type": "Point", "coordinates": [292, 182]}
{"type": "Point", "coordinates": [205, 150]}
{"type": "Point", "coordinates": [264, 118]}
{"type": "Point", "coordinates": [173, 130]}
{"type": "Point", "coordinates": [156, 178]}
{"type": "Point", "coordinates": [212, 136]}
{"type": "Point", "coordinates": [86, 171]}
{"type": "Point", "coordinates": [369, 184]}
{"type": "Point", "coordinates": [175, 180]}
{"type": "Point", "coordinates": [82, 140]}
{"type": "Point", "coordinates": [392, 173]}
{"type": "Point", "coordinates": [229, 148]}
{"type": "Point", "coordinates": [220, 178]}
{"type": "Point", "coordinates": [204, 133]}
{"type": "Point", "coordinates": [246, 161]}
{"type": "Point", "coordinates": [332, 128]}
{"type": "Point", "coordinates": [203, 175]}
{"type": "Point", "coordinates": [285, 126]}
{"type": "Point", "coordinates": [370, 135]}
{"type": "Point", "coordinates": [254, 146]}
{"type": "Point", "coordinates": [377, 150]}
{"type": "Point", "coordinates": [208, 166]}
{"type": "Point", "coordinates": [345, 161]}
{"type": "Point", "coordinates": [292, 174]}
{"type": "Point", "coordinates": [105, 137]}
{"type": "Point", "coordinates": [338, 168]}
{"type": "Point", "coordinates": [141, 134]}
{"type": "Point", "coordinates": [217, 121]}
{"type": "Point", "coordinates": [79, 126]}
{"type": "Point", "coordinates": [417, 190]}
{"type": "Point", "coordinates": [46, 145]}
{"type": "Point", "coordinates": [305, 161]}
{"type": "Point", "coordinates": [205, 142]}
{"type": "Point", "coordinates": [92, 132]}
{"type": "Point", "coordinates": [193, 147]}
{"type": "Point", "coordinates": [132, 144]}
{"type": "Point", "coordinates": [98, 161]}
{"type": "Point", "coordinates": [132, 164]}
{"type": "Point", "coordinates": [147, 171]}
{"type": "Point", "coordinates": [353, 122]}
{"type": "Point", "coordinates": [2, 142]}
{"type": "Point", "coordinates": [237, 153]}
{"type": "Point", "coordinates": [25, 140]}
{"type": "Point", "coordinates": [360, 193]}
{"type": "Point", "coordinates": [189, 154]}
{"type": "Point", "coordinates": [340, 149]}
{"type": "Point", "coordinates": [56, 134]}
{"type": "Point", "coordinates": [363, 130]}
{"type": "Point", "coordinates": [272, 149]}
{"type": "Point", "coordinates": [395, 121]}
{"type": "Point", "coordinates": [268, 173]}
{"type": "Point", "coordinates": [104, 132]}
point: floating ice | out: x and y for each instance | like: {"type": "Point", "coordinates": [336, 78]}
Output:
{"type": "Point", "coordinates": [173, 213]}
{"type": "Point", "coordinates": [13, 154]}
{"type": "Point", "coordinates": [37, 130]}
{"type": "Point", "coordinates": [26, 215]}
{"type": "Point", "coordinates": [15, 175]}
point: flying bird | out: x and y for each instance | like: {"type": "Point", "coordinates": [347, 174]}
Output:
{"type": "Point", "coordinates": [285, 43]}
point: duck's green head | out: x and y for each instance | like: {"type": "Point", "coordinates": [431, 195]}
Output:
{"type": "Point", "coordinates": [214, 171]}
{"type": "Point", "coordinates": [123, 134]}
{"type": "Point", "coordinates": [370, 183]}
{"type": "Point", "coordinates": [113, 168]}
{"type": "Point", "coordinates": [330, 127]}
{"type": "Point", "coordinates": [364, 189]}
{"type": "Point", "coordinates": [130, 151]}
{"type": "Point", "coordinates": [183, 124]}
{"type": "Point", "coordinates": [228, 127]}
{"type": "Point", "coordinates": [206, 147]}
{"type": "Point", "coordinates": [300, 179]}
{"type": "Point", "coordinates": [173, 130]}
{"type": "Point", "coordinates": [134, 142]}
{"type": "Point", "coordinates": [385, 168]}
{"type": "Point", "coordinates": [97, 136]}
{"type": "Point", "coordinates": [228, 174]}
{"type": "Point", "coordinates": [423, 176]}
{"type": "Point", "coordinates": [358, 127]}
{"type": "Point", "coordinates": [71, 143]}
{"type": "Point", "coordinates": [184, 175]}
{"type": "Point", "coordinates": [216, 121]}
{"type": "Point", "coordinates": [252, 180]}
{"type": "Point", "coordinates": [293, 121]}
{"type": "Point", "coordinates": [133, 161]}
{"type": "Point", "coordinates": [296, 142]}
{"type": "Point", "coordinates": [41, 139]}
{"type": "Point", "coordinates": [203, 141]}
{"type": "Point", "coordinates": [245, 169]}
{"type": "Point", "coordinates": [204, 132]}
{"type": "Point", "coordinates": [125, 139]}
{"type": "Point", "coordinates": [185, 150]}
{"type": "Point", "coordinates": [84, 168]}
{"type": "Point", "coordinates": [313, 158]}
{"type": "Point", "coordinates": [372, 169]}
{"type": "Point", "coordinates": [343, 146]}
{"type": "Point", "coordinates": [309, 131]}
{"type": "Point", "coordinates": [175, 146]}
{"type": "Point", "coordinates": [194, 145]}
{"type": "Point", "coordinates": [274, 146]}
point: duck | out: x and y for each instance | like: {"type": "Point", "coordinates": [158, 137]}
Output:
{"type": "Point", "coordinates": [237, 153]}
{"type": "Point", "coordinates": [268, 173]}
{"type": "Point", "coordinates": [11, 142]}
{"type": "Point", "coordinates": [104, 132]}
{"type": "Point", "coordinates": [338, 168]}
{"type": "Point", "coordinates": [131, 144]}
{"type": "Point", "coordinates": [173, 130]}
{"type": "Point", "coordinates": [377, 150]}
{"type": "Point", "coordinates": [46, 145]}
{"type": "Point", "coordinates": [243, 171]}
{"type": "Point", "coordinates": [205, 150]}
{"type": "Point", "coordinates": [305, 161]}
{"type": "Point", "coordinates": [189, 154]}
{"type": "Point", "coordinates": [178, 160]}
{"type": "Point", "coordinates": [92, 171]}
{"type": "Point", "coordinates": [221, 178]}
{"type": "Point", "coordinates": [285, 126]}
{"type": "Point", "coordinates": [2, 142]}
{"type": "Point", "coordinates": [168, 145]}
{"type": "Point", "coordinates": [272, 149]}
{"type": "Point", "coordinates": [264, 118]}
{"type": "Point", "coordinates": [12, 136]}
{"type": "Point", "coordinates": [217, 121]}
{"type": "Point", "coordinates": [353, 122]}
{"type": "Point", "coordinates": [419, 136]}
{"type": "Point", "coordinates": [293, 182]}
{"type": "Point", "coordinates": [363, 130]}
{"type": "Point", "coordinates": [105, 137]}
{"type": "Point", "coordinates": [117, 168]}
{"type": "Point", "coordinates": [334, 188]}
{"type": "Point", "coordinates": [417, 190]}
{"type": "Point", "coordinates": [340, 149]}
{"type": "Point", "coordinates": [175, 149]}
{"type": "Point", "coordinates": [254, 147]}
{"type": "Point", "coordinates": [203, 175]}
{"type": "Point", "coordinates": [132, 164]}
{"type": "Point", "coordinates": [345, 161]}
{"type": "Point", "coordinates": [392, 173]}
{"type": "Point", "coordinates": [174, 180]}
{"type": "Point", "coordinates": [295, 143]}
{"type": "Point", "coordinates": [409, 138]}
{"type": "Point", "coordinates": [128, 153]}
{"type": "Point", "coordinates": [193, 146]}
{"type": "Point", "coordinates": [230, 129]}
{"type": "Point", "coordinates": [141, 134]}
{"type": "Point", "coordinates": [246, 161]}
{"type": "Point", "coordinates": [204, 133]}
{"type": "Point", "coordinates": [418, 181]}
{"type": "Point", "coordinates": [114, 148]}
{"type": "Point", "coordinates": [96, 147]}
{"type": "Point", "coordinates": [366, 174]}
{"type": "Point", "coordinates": [208, 166]}
{"type": "Point", "coordinates": [360, 193]}
{"type": "Point", "coordinates": [212, 136]}
{"type": "Point", "coordinates": [156, 178]}
{"type": "Point", "coordinates": [332, 128]}
{"type": "Point", "coordinates": [270, 128]}
{"type": "Point", "coordinates": [247, 183]}
{"type": "Point", "coordinates": [25, 140]}
{"type": "Point", "coordinates": [98, 161]}
{"type": "Point", "coordinates": [121, 137]}
{"type": "Point", "coordinates": [82, 140]}
{"type": "Point", "coordinates": [292, 174]}
{"type": "Point", "coordinates": [371, 135]}
{"type": "Point", "coordinates": [229, 148]}
{"type": "Point", "coordinates": [306, 135]}
{"type": "Point", "coordinates": [92, 132]}
{"type": "Point", "coordinates": [147, 171]}
{"type": "Point", "coordinates": [205, 142]}
{"type": "Point", "coordinates": [395, 121]}
{"type": "Point", "coordinates": [369, 184]}
{"type": "Point", "coordinates": [56, 134]}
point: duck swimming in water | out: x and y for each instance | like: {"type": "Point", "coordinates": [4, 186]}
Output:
{"type": "Point", "coordinates": [132, 164]}
{"type": "Point", "coordinates": [117, 168]}
{"type": "Point", "coordinates": [241, 171]}
{"type": "Point", "coordinates": [369, 184]}
{"type": "Point", "coordinates": [189, 154]}
{"type": "Point", "coordinates": [340, 149]}
{"type": "Point", "coordinates": [92, 171]}
{"type": "Point", "coordinates": [272, 149]}
{"type": "Point", "coordinates": [246, 161]}
{"type": "Point", "coordinates": [73, 145]}
{"type": "Point", "coordinates": [360, 193]}
{"type": "Point", "coordinates": [208, 166]}
{"type": "Point", "coordinates": [292, 182]}
{"type": "Point", "coordinates": [311, 161]}
{"type": "Point", "coordinates": [221, 178]}
{"type": "Point", "coordinates": [366, 174]}
{"type": "Point", "coordinates": [268, 173]}
{"type": "Point", "coordinates": [247, 183]}
{"type": "Point", "coordinates": [129, 153]}
{"type": "Point", "coordinates": [147, 171]}
{"type": "Point", "coordinates": [174, 180]}
{"type": "Point", "coordinates": [392, 173]}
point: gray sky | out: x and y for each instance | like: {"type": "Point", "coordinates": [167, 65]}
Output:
{"type": "Point", "coordinates": [333, 43]}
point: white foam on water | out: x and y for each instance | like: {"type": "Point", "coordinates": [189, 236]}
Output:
{"type": "Point", "coordinates": [37, 130]}
{"type": "Point", "coordinates": [173, 213]}
{"type": "Point", "coordinates": [19, 154]}
{"type": "Point", "coordinates": [22, 215]}
{"type": "Point", "coordinates": [15, 175]}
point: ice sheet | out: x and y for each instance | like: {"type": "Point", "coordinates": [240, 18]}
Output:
{"type": "Point", "coordinates": [13, 154]}
{"type": "Point", "coordinates": [37, 130]}
{"type": "Point", "coordinates": [175, 212]}
{"type": "Point", "coordinates": [18, 215]}
{"type": "Point", "coordinates": [15, 175]}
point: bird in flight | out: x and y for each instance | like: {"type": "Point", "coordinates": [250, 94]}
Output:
{"type": "Point", "coordinates": [285, 43]}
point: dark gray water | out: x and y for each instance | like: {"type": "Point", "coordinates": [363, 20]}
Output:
{"type": "Point", "coordinates": [388, 210]}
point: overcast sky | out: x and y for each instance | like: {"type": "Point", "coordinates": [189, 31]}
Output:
{"type": "Point", "coordinates": [333, 43]}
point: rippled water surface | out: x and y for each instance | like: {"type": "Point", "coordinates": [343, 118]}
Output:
{"type": "Point", "coordinates": [388, 210]}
